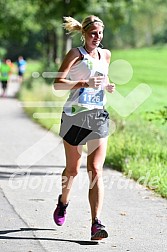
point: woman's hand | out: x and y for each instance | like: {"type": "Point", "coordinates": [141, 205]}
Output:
{"type": "Point", "coordinates": [95, 82]}
{"type": "Point", "coordinates": [110, 87]}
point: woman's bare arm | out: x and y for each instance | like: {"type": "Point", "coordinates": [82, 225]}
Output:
{"type": "Point", "coordinates": [60, 82]}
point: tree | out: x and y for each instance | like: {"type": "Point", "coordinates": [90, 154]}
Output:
{"type": "Point", "coordinates": [34, 27]}
{"type": "Point", "coordinates": [142, 20]}
{"type": "Point", "coordinates": [17, 21]}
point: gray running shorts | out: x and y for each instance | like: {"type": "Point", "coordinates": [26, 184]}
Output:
{"type": "Point", "coordinates": [84, 126]}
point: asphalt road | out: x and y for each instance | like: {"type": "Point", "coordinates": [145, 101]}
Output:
{"type": "Point", "coordinates": [31, 162]}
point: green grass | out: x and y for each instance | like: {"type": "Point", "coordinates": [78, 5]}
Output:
{"type": "Point", "coordinates": [138, 146]}
{"type": "Point", "coordinates": [149, 66]}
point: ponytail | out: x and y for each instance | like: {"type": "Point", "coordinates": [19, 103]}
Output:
{"type": "Point", "coordinates": [72, 25]}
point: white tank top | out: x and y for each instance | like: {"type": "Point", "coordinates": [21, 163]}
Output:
{"type": "Point", "coordinates": [86, 98]}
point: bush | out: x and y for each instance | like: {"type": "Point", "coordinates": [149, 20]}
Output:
{"type": "Point", "coordinates": [140, 149]}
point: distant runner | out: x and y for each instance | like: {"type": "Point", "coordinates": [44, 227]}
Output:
{"type": "Point", "coordinates": [5, 71]}
{"type": "Point", "coordinates": [21, 64]}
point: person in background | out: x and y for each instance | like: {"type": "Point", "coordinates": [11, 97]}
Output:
{"type": "Point", "coordinates": [21, 64]}
{"type": "Point", "coordinates": [5, 71]}
{"type": "Point", "coordinates": [10, 64]}
{"type": "Point", "coordinates": [84, 72]}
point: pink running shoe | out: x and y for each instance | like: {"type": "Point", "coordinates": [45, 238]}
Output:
{"type": "Point", "coordinates": [97, 231]}
{"type": "Point", "coordinates": [60, 212]}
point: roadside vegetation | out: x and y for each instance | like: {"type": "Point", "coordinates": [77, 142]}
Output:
{"type": "Point", "coordinates": [138, 146]}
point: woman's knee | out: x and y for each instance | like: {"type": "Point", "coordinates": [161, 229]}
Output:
{"type": "Point", "coordinates": [71, 171]}
{"type": "Point", "coordinates": [95, 171]}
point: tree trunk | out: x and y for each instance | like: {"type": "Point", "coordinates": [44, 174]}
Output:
{"type": "Point", "coordinates": [67, 41]}
{"type": "Point", "coordinates": [55, 46]}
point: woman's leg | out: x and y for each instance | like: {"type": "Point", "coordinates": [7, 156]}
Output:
{"type": "Point", "coordinates": [95, 160]}
{"type": "Point", "coordinates": [73, 162]}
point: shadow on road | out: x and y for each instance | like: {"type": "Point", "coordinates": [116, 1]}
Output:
{"type": "Point", "coordinates": [4, 237]}
{"type": "Point", "coordinates": [23, 229]}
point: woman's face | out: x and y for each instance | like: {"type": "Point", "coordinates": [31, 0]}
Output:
{"type": "Point", "coordinates": [94, 35]}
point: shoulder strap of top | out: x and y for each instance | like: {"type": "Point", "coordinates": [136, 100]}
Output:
{"type": "Point", "coordinates": [82, 50]}
{"type": "Point", "coordinates": [85, 54]}
{"type": "Point", "coordinates": [101, 52]}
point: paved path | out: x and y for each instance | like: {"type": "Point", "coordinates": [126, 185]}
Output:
{"type": "Point", "coordinates": [31, 162]}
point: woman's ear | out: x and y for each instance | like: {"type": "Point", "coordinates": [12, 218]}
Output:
{"type": "Point", "coordinates": [83, 37]}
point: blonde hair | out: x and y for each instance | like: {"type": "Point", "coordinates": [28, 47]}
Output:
{"type": "Point", "coordinates": [72, 25]}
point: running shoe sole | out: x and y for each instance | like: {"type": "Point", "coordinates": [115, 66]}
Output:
{"type": "Point", "coordinates": [101, 234]}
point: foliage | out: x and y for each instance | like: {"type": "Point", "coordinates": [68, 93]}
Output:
{"type": "Point", "coordinates": [18, 26]}
{"type": "Point", "coordinates": [34, 28]}
{"type": "Point", "coordinates": [160, 37]}
{"type": "Point", "coordinates": [158, 115]}
{"type": "Point", "coordinates": [142, 21]}
{"type": "Point", "coordinates": [139, 149]}
{"type": "Point", "coordinates": [18, 15]}
{"type": "Point", "coordinates": [2, 52]}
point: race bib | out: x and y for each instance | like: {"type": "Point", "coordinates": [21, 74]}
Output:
{"type": "Point", "coordinates": [91, 97]}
